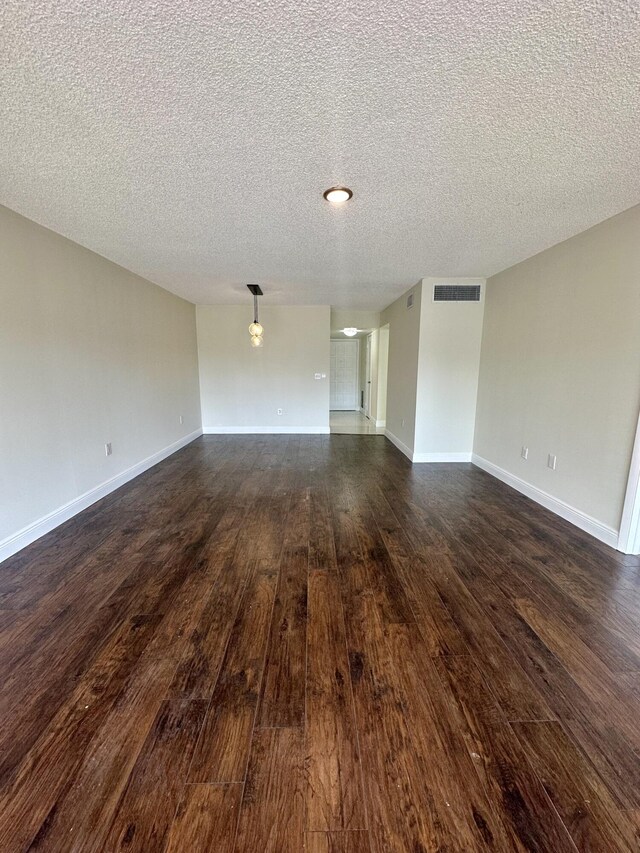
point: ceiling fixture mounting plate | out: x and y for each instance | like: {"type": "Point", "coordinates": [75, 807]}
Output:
{"type": "Point", "coordinates": [255, 289]}
{"type": "Point", "coordinates": [337, 195]}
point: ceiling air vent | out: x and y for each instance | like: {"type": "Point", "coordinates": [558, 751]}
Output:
{"type": "Point", "coordinates": [456, 293]}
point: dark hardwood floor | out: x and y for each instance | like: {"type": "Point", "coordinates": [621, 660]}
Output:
{"type": "Point", "coordinates": [288, 643]}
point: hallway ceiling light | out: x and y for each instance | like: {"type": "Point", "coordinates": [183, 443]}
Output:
{"type": "Point", "coordinates": [255, 329]}
{"type": "Point", "coordinates": [350, 331]}
{"type": "Point", "coordinates": [337, 195]}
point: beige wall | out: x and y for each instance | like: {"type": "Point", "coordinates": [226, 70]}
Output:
{"type": "Point", "coordinates": [402, 372]}
{"type": "Point", "coordinates": [382, 366]}
{"type": "Point", "coordinates": [344, 318]}
{"type": "Point", "coordinates": [89, 353]}
{"type": "Point", "coordinates": [242, 388]}
{"type": "Point", "coordinates": [448, 367]}
{"type": "Point", "coordinates": [560, 367]}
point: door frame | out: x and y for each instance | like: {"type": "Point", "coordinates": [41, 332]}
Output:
{"type": "Point", "coordinates": [367, 377]}
{"type": "Point", "coordinates": [629, 535]}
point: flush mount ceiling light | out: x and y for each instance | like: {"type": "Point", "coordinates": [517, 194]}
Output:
{"type": "Point", "coordinates": [350, 331]}
{"type": "Point", "coordinates": [255, 329]}
{"type": "Point", "coordinates": [337, 195]}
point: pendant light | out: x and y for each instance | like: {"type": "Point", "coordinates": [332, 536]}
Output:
{"type": "Point", "coordinates": [255, 329]}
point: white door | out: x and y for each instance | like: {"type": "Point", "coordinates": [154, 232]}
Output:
{"type": "Point", "coordinates": [344, 376]}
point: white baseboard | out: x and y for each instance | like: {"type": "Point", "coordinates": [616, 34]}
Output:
{"type": "Point", "coordinates": [585, 522]}
{"type": "Point", "coordinates": [255, 430]}
{"type": "Point", "coordinates": [442, 457]}
{"type": "Point", "coordinates": [426, 457]}
{"type": "Point", "coordinates": [399, 444]}
{"type": "Point", "coordinates": [17, 541]}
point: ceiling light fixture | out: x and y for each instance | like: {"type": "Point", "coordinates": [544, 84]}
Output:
{"type": "Point", "coordinates": [255, 329]}
{"type": "Point", "coordinates": [337, 195]}
{"type": "Point", "coordinates": [350, 331]}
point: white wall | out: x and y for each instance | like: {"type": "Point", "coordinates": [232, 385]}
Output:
{"type": "Point", "coordinates": [242, 388]}
{"type": "Point", "coordinates": [448, 367]}
{"type": "Point", "coordinates": [89, 353]}
{"type": "Point", "coordinates": [402, 371]}
{"type": "Point", "coordinates": [560, 370]}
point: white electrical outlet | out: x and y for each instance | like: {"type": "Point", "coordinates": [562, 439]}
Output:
{"type": "Point", "coordinates": [524, 453]}
{"type": "Point", "coordinates": [181, 419]}
{"type": "Point", "coordinates": [317, 376]}
{"type": "Point", "coordinates": [552, 461]}
{"type": "Point", "coordinates": [107, 449]}
{"type": "Point", "coordinates": [279, 411]}
{"type": "Point", "coordinates": [402, 422]}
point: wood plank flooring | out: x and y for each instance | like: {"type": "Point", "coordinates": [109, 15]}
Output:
{"type": "Point", "coordinates": [296, 643]}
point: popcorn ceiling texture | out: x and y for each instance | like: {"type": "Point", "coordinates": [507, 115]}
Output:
{"type": "Point", "coordinates": [191, 142]}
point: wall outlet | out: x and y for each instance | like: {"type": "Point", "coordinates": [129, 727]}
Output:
{"type": "Point", "coordinates": [402, 422]}
{"type": "Point", "coordinates": [524, 453]}
{"type": "Point", "coordinates": [107, 449]}
{"type": "Point", "coordinates": [552, 461]}
{"type": "Point", "coordinates": [181, 419]}
{"type": "Point", "coordinates": [279, 411]}
{"type": "Point", "coordinates": [317, 376]}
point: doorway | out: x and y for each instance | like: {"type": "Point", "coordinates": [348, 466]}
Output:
{"type": "Point", "coordinates": [358, 383]}
{"type": "Point", "coordinates": [343, 384]}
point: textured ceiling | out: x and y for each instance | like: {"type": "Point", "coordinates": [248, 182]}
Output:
{"type": "Point", "coordinates": [191, 142]}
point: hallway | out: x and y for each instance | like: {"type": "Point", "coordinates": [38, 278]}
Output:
{"type": "Point", "coordinates": [352, 423]}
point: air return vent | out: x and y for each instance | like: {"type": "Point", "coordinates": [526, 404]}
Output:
{"type": "Point", "coordinates": [456, 293]}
